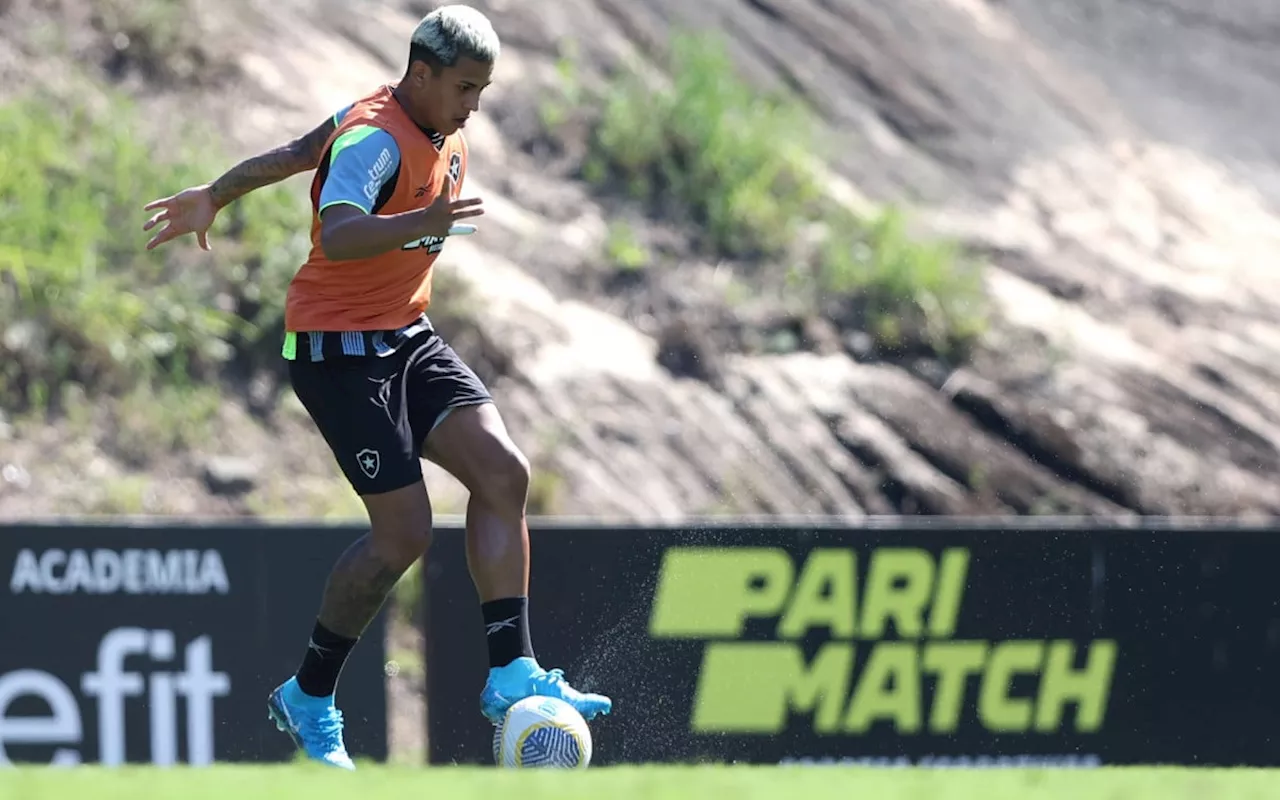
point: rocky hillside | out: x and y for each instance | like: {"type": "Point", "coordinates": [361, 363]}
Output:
{"type": "Point", "coordinates": [1114, 166]}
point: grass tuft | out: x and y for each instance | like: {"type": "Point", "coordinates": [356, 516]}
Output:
{"type": "Point", "coordinates": [739, 168]}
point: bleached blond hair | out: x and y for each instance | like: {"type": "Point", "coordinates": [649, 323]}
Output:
{"type": "Point", "coordinates": [453, 32]}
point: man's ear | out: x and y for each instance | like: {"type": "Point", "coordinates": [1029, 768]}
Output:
{"type": "Point", "coordinates": [419, 72]}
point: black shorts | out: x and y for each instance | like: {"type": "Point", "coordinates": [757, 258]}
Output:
{"type": "Point", "coordinates": [376, 411]}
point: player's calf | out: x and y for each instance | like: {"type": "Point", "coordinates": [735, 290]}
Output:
{"type": "Point", "coordinates": [304, 706]}
{"type": "Point", "coordinates": [472, 443]}
{"type": "Point", "coordinates": [358, 586]}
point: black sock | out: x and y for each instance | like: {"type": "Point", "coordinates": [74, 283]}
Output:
{"type": "Point", "coordinates": [326, 654]}
{"type": "Point", "coordinates": [506, 626]}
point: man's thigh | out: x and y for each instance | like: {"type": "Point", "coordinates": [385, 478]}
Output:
{"type": "Point", "coordinates": [361, 409]}
{"type": "Point", "coordinates": [439, 383]}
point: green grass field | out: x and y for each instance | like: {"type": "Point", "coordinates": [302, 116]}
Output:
{"type": "Point", "coordinates": [622, 783]}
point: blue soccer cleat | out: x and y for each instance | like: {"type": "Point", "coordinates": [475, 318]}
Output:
{"type": "Point", "coordinates": [312, 722]}
{"type": "Point", "coordinates": [524, 678]}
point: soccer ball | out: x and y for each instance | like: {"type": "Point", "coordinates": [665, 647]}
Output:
{"type": "Point", "coordinates": [542, 732]}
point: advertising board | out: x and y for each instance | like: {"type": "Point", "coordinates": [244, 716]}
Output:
{"type": "Point", "coordinates": [159, 644]}
{"type": "Point", "coordinates": [931, 645]}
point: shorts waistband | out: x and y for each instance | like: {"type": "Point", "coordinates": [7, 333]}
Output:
{"type": "Point", "coordinates": [321, 345]}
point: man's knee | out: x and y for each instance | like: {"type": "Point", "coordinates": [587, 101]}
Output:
{"type": "Point", "coordinates": [503, 480]}
{"type": "Point", "coordinates": [400, 523]}
{"type": "Point", "coordinates": [472, 443]}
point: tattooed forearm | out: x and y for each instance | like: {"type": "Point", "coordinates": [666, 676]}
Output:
{"type": "Point", "coordinates": [273, 166]}
{"type": "Point", "coordinates": [357, 588]}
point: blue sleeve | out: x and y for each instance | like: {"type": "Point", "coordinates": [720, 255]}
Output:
{"type": "Point", "coordinates": [361, 162]}
{"type": "Point", "coordinates": [342, 112]}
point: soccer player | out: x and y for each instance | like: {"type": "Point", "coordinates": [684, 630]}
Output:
{"type": "Point", "coordinates": [381, 385]}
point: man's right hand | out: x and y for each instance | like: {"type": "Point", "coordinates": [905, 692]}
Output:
{"type": "Point", "coordinates": [445, 211]}
{"type": "Point", "coordinates": [189, 211]}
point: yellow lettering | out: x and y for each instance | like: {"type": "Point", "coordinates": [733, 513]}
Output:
{"type": "Point", "coordinates": [889, 688]}
{"type": "Point", "coordinates": [899, 582]}
{"type": "Point", "coordinates": [752, 687]}
{"type": "Point", "coordinates": [1088, 688]}
{"type": "Point", "coordinates": [824, 596]}
{"type": "Point", "coordinates": [953, 663]}
{"type": "Point", "coordinates": [756, 687]}
{"type": "Point", "coordinates": [711, 592]}
{"type": "Point", "coordinates": [999, 711]}
{"type": "Point", "coordinates": [952, 572]}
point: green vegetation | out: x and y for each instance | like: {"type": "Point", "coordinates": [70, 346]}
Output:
{"type": "Point", "coordinates": [81, 299]}
{"type": "Point", "coordinates": [623, 249]}
{"type": "Point", "coordinates": [909, 290]}
{"type": "Point", "coordinates": [712, 146]}
{"type": "Point", "coordinates": [621, 783]}
{"type": "Point", "coordinates": [741, 167]}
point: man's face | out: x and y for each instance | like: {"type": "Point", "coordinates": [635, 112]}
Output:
{"type": "Point", "coordinates": [448, 98]}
